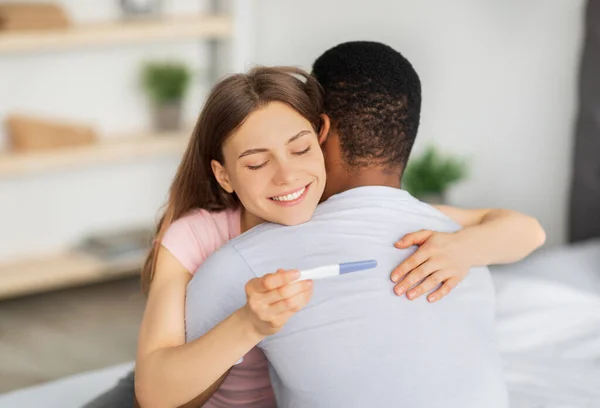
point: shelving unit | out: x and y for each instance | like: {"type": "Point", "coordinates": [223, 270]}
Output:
{"type": "Point", "coordinates": [44, 272]}
{"type": "Point", "coordinates": [111, 149]}
{"type": "Point", "coordinates": [119, 33]}
{"type": "Point", "coordinates": [61, 270]}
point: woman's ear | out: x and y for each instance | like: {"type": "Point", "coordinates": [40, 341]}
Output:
{"type": "Point", "coordinates": [325, 126]}
{"type": "Point", "coordinates": [221, 176]}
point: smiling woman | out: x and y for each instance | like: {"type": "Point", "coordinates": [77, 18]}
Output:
{"type": "Point", "coordinates": [275, 165]}
{"type": "Point", "coordinates": [254, 156]}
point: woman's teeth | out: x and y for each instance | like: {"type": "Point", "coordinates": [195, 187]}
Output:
{"type": "Point", "coordinates": [290, 197]}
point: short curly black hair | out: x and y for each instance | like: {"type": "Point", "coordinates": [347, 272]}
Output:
{"type": "Point", "coordinates": [373, 97]}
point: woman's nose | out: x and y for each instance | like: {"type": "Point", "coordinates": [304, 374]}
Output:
{"type": "Point", "coordinates": [285, 174]}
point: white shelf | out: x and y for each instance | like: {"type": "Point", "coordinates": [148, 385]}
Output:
{"type": "Point", "coordinates": [117, 33]}
{"type": "Point", "coordinates": [108, 150]}
{"type": "Point", "coordinates": [61, 271]}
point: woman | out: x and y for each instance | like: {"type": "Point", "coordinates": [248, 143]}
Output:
{"type": "Point", "coordinates": [254, 128]}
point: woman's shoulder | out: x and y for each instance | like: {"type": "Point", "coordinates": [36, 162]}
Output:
{"type": "Point", "coordinates": [195, 236]}
{"type": "Point", "coordinates": [198, 220]}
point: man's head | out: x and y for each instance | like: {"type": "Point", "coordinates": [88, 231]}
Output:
{"type": "Point", "coordinates": [373, 97]}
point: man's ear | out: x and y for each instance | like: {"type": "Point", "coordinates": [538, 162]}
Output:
{"type": "Point", "coordinates": [221, 176]}
{"type": "Point", "coordinates": [325, 127]}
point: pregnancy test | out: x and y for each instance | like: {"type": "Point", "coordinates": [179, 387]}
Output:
{"type": "Point", "coordinates": [329, 271]}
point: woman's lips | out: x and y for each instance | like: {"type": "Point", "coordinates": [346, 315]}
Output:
{"type": "Point", "coordinates": [291, 198]}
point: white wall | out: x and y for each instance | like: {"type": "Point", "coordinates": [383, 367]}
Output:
{"type": "Point", "coordinates": [42, 213]}
{"type": "Point", "coordinates": [499, 83]}
{"type": "Point", "coordinates": [498, 80]}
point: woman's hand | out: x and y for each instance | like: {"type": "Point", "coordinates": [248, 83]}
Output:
{"type": "Point", "coordinates": [440, 259]}
{"type": "Point", "coordinates": [274, 298]}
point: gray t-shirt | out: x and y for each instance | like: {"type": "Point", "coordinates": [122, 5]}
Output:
{"type": "Point", "coordinates": [356, 344]}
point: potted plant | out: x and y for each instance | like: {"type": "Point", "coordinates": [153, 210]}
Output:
{"type": "Point", "coordinates": [429, 175]}
{"type": "Point", "coordinates": [166, 84]}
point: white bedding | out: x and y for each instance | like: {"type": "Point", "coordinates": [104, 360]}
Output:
{"type": "Point", "coordinates": [70, 392]}
{"type": "Point", "coordinates": [548, 332]}
{"type": "Point", "coordinates": [548, 321]}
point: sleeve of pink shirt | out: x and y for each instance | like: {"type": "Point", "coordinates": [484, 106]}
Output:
{"type": "Point", "coordinates": [195, 236]}
{"type": "Point", "coordinates": [187, 239]}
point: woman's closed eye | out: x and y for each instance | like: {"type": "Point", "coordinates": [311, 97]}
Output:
{"type": "Point", "coordinates": [257, 166]}
{"type": "Point", "coordinates": [263, 164]}
{"type": "Point", "coordinates": [303, 151]}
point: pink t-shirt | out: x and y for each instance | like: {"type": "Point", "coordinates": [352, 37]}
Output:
{"type": "Point", "coordinates": [192, 239]}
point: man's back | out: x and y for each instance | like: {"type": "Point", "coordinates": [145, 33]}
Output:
{"type": "Point", "coordinates": [356, 344]}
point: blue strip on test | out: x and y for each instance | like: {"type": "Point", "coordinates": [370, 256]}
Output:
{"type": "Point", "coordinates": [348, 267]}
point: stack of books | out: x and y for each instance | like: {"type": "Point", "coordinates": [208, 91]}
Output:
{"type": "Point", "coordinates": [118, 245]}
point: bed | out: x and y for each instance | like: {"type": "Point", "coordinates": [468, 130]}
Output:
{"type": "Point", "coordinates": [69, 392]}
{"type": "Point", "coordinates": [548, 332]}
{"type": "Point", "coordinates": [548, 319]}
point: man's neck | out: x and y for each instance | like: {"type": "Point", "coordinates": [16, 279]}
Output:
{"type": "Point", "coordinates": [373, 176]}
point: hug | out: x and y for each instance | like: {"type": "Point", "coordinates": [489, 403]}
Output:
{"type": "Point", "coordinates": [287, 171]}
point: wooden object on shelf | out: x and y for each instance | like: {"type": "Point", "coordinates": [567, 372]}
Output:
{"type": "Point", "coordinates": [62, 270]}
{"type": "Point", "coordinates": [119, 33]}
{"type": "Point", "coordinates": [32, 16]}
{"type": "Point", "coordinates": [27, 133]}
{"type": "Point", "coordinates": [107, 150]}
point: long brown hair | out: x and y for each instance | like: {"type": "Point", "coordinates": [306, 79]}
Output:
{"type": "Point", "coordinates": [230, 102]}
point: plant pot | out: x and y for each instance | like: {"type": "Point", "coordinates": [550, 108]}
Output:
{"type": "Point", "coordinates": [167, 116]}
{"type": "Point", "coordinates": [434, 198]}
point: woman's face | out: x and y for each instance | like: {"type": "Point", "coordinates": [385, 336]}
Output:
{"type": "Point", "coordinates": [274, 164]}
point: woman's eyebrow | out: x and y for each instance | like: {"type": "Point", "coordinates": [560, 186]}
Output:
{"type": "Point", "coordinates": [263, 150]}
{"type": "Point", "coordinates": [252, 151]}
{"type": "Point", "coordinates": [298, 135]}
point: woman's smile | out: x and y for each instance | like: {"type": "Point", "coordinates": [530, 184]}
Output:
{"type": "Point", "coordinates": [293, 197]}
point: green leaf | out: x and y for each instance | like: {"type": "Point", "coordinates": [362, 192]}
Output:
{"type": "Point", "coordinates": [432, 173]}
{"type": "Point", "coordinates": [166, 81]}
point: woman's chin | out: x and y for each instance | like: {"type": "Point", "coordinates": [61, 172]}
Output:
{"type": "Point", "coordinates": [289, 218]}
{"type": "Point", "coordinates": [298, 221]}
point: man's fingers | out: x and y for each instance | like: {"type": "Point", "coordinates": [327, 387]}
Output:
{"type": "Point", "coordinates": [428, 284]}
{"type": "Point", "coordinates": [415, 276]}
{"type": "Point", "coordinates": [409, 264]}
{"type": "Point", "coordinates": [279, 278]}
{"type": "Point", "coordinates": [443, 290]}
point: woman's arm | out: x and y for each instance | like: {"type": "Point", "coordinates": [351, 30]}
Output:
{"type": "Point", "coordinates": [496, 236]}
{"type": "Point", "coordinates": [489, 236]}
{"type": "Point", "coordinates": [170, 372]}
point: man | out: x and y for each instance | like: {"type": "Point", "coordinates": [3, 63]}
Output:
{"type": "Point", "coordinates": [356, 344]}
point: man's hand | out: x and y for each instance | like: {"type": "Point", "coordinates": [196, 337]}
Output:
{"type": "Point", "coordinates": [274, 298]}
{"type": "Point", "coordinates": [440, 259]}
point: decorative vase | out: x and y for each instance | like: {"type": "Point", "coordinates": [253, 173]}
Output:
{"type": "Point", "coordinates": [167, 116]}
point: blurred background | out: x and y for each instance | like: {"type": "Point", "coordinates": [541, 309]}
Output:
{"type": "Point", "coordinates": [97, 99]}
